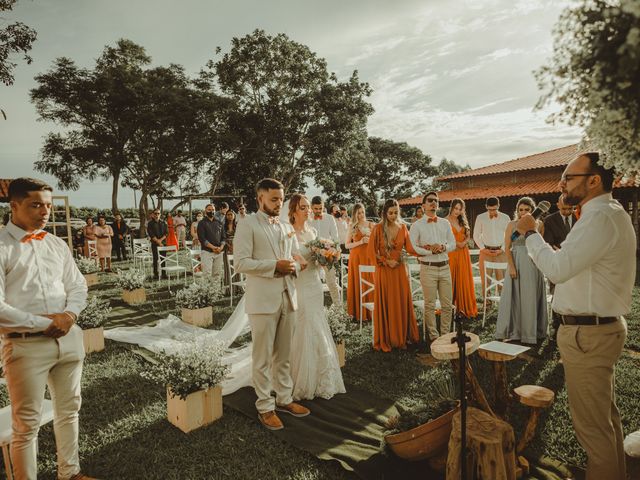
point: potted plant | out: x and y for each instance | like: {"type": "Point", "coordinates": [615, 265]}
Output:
{"type": "Point", "coordinates": [192, 376]}
{"type": "Point", "coordinates": [89, 269]}
{"type": "Point", "coordinates": [132, 284]}
{"type": "Point", "coordinates": [338, 319]}
{"type": "Point", "coordinates": [423, 431]}
{"type": "Point", "coordinates": [91, 321]}
{"type": "Point", "coordinates": [196, 302]}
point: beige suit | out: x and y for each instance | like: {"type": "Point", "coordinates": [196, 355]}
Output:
{"type": "Point", "coordinates": [270, 303]}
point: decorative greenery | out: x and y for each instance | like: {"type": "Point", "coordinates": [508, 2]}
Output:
{"type": "Point", "coordinates": [86, 265]}
{"type": "Point", "coordinates": [324, 252]}
{"type": "Point", "coordinates": [131, 279]}
{"type": "Point", "coordinates": [197, 366]}
{"type": "Point", "coordinates": [95, 314]}
{"type": "Point", "coordinates": [338, 319]}
{"type": "Point", "coordinates": [199, 295]}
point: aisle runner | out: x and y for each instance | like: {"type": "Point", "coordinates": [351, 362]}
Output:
{"type": "Point", "coordinates": [348, 428]}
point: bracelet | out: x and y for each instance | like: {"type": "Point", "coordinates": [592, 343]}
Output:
{"type": "Point", "coordinates": [71, 315]}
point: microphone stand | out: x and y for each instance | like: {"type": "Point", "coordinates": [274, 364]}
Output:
{"type": "Point", "coordinates": [461, 339]}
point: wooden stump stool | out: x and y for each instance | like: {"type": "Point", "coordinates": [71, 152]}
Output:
{"type": "Point", "coordinates": [537, 398]}
{"type": "Point", "coordinates": [490, 447]}
{"type": "Point", "coordinates": [501, 393]}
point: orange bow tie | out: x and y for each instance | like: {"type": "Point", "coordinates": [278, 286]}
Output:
{"type": "Point", "coordinates": [493, 215]}
{"type": "Point", "coordinates": [432, 220]}
{"type": "Point", "coordinates": [274, 220]}
{"type": "Point", "coordinates": [317, 217]}
{"type": "Point", "coordinates": [33, 236]}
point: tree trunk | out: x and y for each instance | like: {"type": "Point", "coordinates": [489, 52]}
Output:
{"type": "Point", "coordinates": [114, 191]}
{"type": "Point", "coordinates": [143, 214]}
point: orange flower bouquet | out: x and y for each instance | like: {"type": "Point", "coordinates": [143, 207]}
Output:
{"type": "Point", "coordinates": [324, 252]}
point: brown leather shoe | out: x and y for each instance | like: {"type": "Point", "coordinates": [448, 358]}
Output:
{"type": "Point", "coordinates": [294, 409]}
{"type": "Point", "coordinates": [82, 476]}
{"type": "Point", "coordinates": [270, 420]}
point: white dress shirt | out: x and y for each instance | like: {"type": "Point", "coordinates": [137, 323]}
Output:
{"type": "Point", "coordinates": [326, 228]}
{"type": "Point", "coordinates": [36, 278]}
{"type": "Point", "coordinates": [490, 231]}
{"type": "Point", "coordinates": [343, 229]}
{"type": "Point", "coordinates": [423, 232]}
{"type": "Point", "coordinates": [595, 269]}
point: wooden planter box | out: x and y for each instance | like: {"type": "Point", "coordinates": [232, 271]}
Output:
{"type": "Point", "coordinates": [134, 297]}
{"type": "Point", "coordinates": [341, 353]}
{"type": "Point", "coordinates": [91, 278]}
{"type": "Point", "coordinates": [197, 410]}
{"type": "Point", "coordinates": [200, 317]}
{"type": "Point", "coordinates": [424, 441]}
{"type": "Point", "coordinates": [93, 339]}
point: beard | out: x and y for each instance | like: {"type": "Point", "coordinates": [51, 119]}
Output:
{"type": "Point", "coordinates": [271, 212]}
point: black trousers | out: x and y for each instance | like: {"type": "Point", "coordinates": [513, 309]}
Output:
{"type": "Point", "coordinates": [155, 253]}
{"type": "Point", "coordinates": [119, 249]}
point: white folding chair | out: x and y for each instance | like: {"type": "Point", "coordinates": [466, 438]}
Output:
{"type": "Point", "coordinates": [93, 251]}
{"type": "Point", "coordinates": [142, 252]}
{"type": "Point", "coordinates": [188, 244]}
{"type": "Point", "coordinates": [127, 245]}
{"type": "Point", "coordinates": [363, 282]}
{"type": "Point", "coordinates": [475, 268]}
{"type": "Point", "coordinates": [196, 262]}
{"type": "Point", "coordinates": [492, 285]}
{"type": "Point", "coordinates": [169, 262]}
{"type": "Point", "coordinates": [236, 279]}
{"type": "Point", "coordinates": [549, 297]}
{"type": "Point", "coordinates": [344, 273]}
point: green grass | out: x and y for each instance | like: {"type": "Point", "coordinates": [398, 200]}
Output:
{"type": "Point", "coordinates": [124, 432]}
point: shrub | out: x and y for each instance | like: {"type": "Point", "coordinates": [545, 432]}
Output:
{"type": "Point", "coordinates": [131, 279]}
{"type": "Point", "coordinates": [338, 319]}
{"type": "Point", "coordinates": [199, 295]}
{"type": "Point", "coordinates": [95, 314]}
{"type": "Point", "coordinates": [86, 265]}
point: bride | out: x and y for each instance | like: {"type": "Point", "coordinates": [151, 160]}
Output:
{"type": "Point", "coordinates": [314, 360]}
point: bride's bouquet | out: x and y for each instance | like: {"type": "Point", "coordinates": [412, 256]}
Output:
{"type": "Point", "coordinates": [324, 252]}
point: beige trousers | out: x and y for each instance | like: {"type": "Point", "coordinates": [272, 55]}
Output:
{"type": "Point", "coordinates": [436, 283]}
{"type": "Point", "coordinates": [498, 274]}
{"type": "Point", "coordinates": [589, 354]}
{"type": "Point", "coordinates": [271, 335]}
{"type": "Point", "coordinates": [332, 283]}
{"type": "Point", "coordinates": [213, 265]}
{"type": "Point", "coordinates": [29, 365]}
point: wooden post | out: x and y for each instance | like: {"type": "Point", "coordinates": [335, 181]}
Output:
{"type": "Point", "coordinates": [537, 398]}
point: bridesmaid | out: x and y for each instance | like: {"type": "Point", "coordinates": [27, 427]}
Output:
{"type": "Point", "coordinates": [172, 238]}
{"type": "Point", "coordinates": [464, 292]}
{"type": "Point", "coordinates": [394, 319]}
{"type": "Point", "coordinates": [104, 233]}
{"type": "Point", "coordinates": [356, 242]}
{"type": "Point", "coordinates": [89, 232]}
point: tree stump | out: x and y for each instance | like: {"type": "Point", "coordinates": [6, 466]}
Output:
{"type": "Point", "coordinates": [490, 448]}
{"type": "Point", "coordinates": [501, 394]}
{"type": "Point", "coordinates": [537, 398]}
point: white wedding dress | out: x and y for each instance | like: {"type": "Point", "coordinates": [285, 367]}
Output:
{"type": "Point", "coordinates": [315, 368]}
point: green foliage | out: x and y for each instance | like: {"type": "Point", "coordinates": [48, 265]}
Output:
{"type": "Point", "coordinates": [338, 320]}
{"type": "Point", "coordinates": [95, 314]}
{"type": "Point", "coordinates": [14, 38]}
{"type": "Point", "coordinates": [131, 279]}
{"type": "Point", "coordinates": [86, 265]}
{"type": "Point", "coordinates": [595, 76]}
{"type": "Point", "coordinates": [200, 294]}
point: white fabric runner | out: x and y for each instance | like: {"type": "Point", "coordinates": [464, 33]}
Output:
{"type": "Point", "coordinates": [168, 336]}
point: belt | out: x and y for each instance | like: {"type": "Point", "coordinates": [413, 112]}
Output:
{"type": "Point", "coordinates": [586, 320]}
{"type": "Point", "coordinates": [435, 264]}
{"type": "Point", "coordinates": [24, 335]}
{"type": "Point", "coordinates": [492, 248]}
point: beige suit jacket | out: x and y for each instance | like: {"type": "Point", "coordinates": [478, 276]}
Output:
{"type": "Point", "coordinates": [255, 253]}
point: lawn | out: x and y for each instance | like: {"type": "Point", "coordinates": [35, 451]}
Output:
{"type": "Point", "coordinates": [124, 432]}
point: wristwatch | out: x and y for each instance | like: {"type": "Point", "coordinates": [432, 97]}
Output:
{"type": "Point", "coordinates": [528, 233]}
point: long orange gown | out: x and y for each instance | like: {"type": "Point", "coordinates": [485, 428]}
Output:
{"type": "Point", "coordinates": [358, 256]}
{"type": "Point", "coordinates": [464, 292]}
{"type": "Point", "coordinates": [394, 318]}
{"type": "Point", "coordinates": [172, 239]}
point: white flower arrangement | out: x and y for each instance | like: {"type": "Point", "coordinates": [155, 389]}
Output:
{"type": "Point", "coordinates": [338, 319]}
{"type": "Point", "coordinates": [199, 295]}
{"type": "Point", "coordinates": [131, 279]}
{"type": "Point", "coordinates": [95, 314]}
{"type": "Point", "coordinates": [86, 265]}
{"type": "Point", "coordinates": [196, 366]}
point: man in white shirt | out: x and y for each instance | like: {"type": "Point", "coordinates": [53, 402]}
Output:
{"type": "Point", "coordinates": [342, 224]}
{"type": "Point", "coordinates": [242, 213]}
{"type": "Point", "coordinates": [488, 234]}
{"type": "Point", "coordinates": [433, 239]}
{"type": "Point", "coordinates": [327, 228]}
{"type": "Point", "coordinates": [180, 224]}
{"type": "Point", "coordinates": [594, 273]}
{"type": "Point", "coordinates": [42, 292]}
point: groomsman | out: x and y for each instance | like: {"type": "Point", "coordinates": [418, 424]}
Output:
{"type": "Point", "coordinates": [433, 239]}
{"type": "Point", "coordinates": [212, 240]}
{"type": "Point", "coordinates": [120, 230]}
{"type": "Point", "coordinates": [327, 228]}
{"type": "Point", "coordinates": [558, 225]}
{"type": "Point", "coordinates": [488, 234]}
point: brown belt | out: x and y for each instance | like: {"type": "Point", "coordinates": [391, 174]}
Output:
{"type": "Point", "coordinates": [586, 320]}
{"type": "Point", "coordinates": [24, 335]}
{"type": "Point", "coordinates": [435, 264]}
{"type": "Point", "coordinates": [493, 248]}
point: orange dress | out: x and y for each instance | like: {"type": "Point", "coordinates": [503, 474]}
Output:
{"type": "Point", "coordinates": [358, 256]}
{"type": "Point", "coordinates": [464, 292]}
{"type": "Point", "coordinates": [394, 318]}
{"type": "Point", "coordinates": [172, 239]}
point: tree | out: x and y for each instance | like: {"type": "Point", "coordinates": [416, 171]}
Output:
{"type": "Point", "coordinates": [595, 76]}
{"type": "Point", "coordinates": [100, 110]}
{"type": "Point", "coordinates": [376, 169]}
{"type": "Point", "coordinates": [449, 167]}
{"type": "Point", "coordinates": [293, 116]}
{"type": "Point", "coordinates": [15, 38]}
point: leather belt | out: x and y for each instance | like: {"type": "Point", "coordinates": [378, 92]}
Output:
{"type": "Point", "coordinates": [586, 320]}
{"type": "Point", "coordinates": [435, 264]}
{"type": "Point", "coordinates": [24, 335]}
{"type": "Point", "coordinates": [492, 248]}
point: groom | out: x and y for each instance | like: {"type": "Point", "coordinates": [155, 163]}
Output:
{"type": "Point", "coordinates": [263, 249]}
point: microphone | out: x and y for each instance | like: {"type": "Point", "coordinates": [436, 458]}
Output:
{"type": "Point", "coordinates": [543, 207]}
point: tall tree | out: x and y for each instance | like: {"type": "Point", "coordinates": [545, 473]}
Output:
{"type": "Point", "coordinates": [15, 38]}
{"type": "Point", "coordinates": [99, 109]}
{"type": "Point", "coordinates": [594, 74]}
{"type": "Point", "coordinates": [293, 115]}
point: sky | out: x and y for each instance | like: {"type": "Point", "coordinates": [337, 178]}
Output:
{"type": "Point", "coordinates": [451, 77]}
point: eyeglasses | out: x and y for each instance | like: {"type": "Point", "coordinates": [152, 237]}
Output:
{"type": "Point", "coordinates": [432, 200]}
{"type": "Point", "coordinates": [156, 213]}
{"type": "Point", "coordinates": [568, 176]}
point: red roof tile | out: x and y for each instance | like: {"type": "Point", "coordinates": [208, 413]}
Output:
{"type": "Point", "coordinates": [553, 158]}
